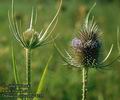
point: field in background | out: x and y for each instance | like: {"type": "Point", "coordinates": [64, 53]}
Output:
{"type": "Point", "coordinates": [62, 83]}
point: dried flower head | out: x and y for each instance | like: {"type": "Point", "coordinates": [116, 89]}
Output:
{"type": "Point", "coordinates": [30, 38]}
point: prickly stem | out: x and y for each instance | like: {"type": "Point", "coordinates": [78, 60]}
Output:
{"type": "Point", "coordinates": [84, 80]}
{"type": "Point", "coordinates": [28, 68]}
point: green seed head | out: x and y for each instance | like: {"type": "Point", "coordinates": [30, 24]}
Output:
{"type": "Point", "coordinates": [30, 37]}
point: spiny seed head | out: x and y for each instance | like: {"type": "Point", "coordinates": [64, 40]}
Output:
{"type": "Point", "coordinates": [86, 45]}
{"type": "Point", "coordinates": [30, 36]}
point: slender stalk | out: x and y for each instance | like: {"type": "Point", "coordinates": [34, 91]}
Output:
{"type": "Point", "coordinates": [28, 68]}
{"type": "Point", "coordinates": [85, 80]}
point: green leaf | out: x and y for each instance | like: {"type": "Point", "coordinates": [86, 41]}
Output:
{"type": "Point", "coordinates": [14, 68]}
{"type": "Point", "coordinates": [42, 80]}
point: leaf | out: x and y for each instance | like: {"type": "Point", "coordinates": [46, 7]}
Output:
{"type": "Point", "coordinates": [42, 80]}
{"type": "Point", "coordinates": [14, 68]}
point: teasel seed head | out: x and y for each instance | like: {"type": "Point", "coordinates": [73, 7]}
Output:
{"type": "Point", "coordinates": [86, 45]}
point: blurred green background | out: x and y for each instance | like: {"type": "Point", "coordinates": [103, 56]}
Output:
{"type": "Point", "coordinates": [62, 83]}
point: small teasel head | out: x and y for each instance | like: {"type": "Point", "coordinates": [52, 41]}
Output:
{"type": "Point", "coordinates": [30, 38]}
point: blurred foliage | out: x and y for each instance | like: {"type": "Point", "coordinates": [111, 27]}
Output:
{"type": "Point", "coordinates": [62, 83]}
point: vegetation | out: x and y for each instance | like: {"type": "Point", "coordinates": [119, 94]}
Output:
{"type": "Point", "coordinates": [62, 82]}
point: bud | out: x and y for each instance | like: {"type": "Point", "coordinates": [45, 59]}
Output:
{"type": "Point", "coordinates": [30, 36]}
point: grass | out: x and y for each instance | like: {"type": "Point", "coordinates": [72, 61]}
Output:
{"type": "Point", "coordinates": [61, 83]}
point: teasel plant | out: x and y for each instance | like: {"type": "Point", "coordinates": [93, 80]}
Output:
{"type": "Point", "coordinates": [31, 39]}
{"type": "Point", "coordinates": [85, 51]}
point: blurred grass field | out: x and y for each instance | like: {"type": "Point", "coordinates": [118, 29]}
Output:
{"type": "Point", "coordinates": [62, 83]}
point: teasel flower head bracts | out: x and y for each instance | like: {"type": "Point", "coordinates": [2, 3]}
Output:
{"type": "Point", "coordinates": [86, 47]}
{"type": "Point", "coordinates": [30, 38]}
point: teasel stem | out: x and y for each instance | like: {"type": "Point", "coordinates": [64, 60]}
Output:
{"type": "Point", "coordinates": [85, 80]}
{"type": "Point", "coordinates": [28, 68]}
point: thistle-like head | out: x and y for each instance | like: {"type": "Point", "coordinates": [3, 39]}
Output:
{"type": "Point", "coordinates": [30, 38]}
{"type": "Point", "coordinates": [86, 47]}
